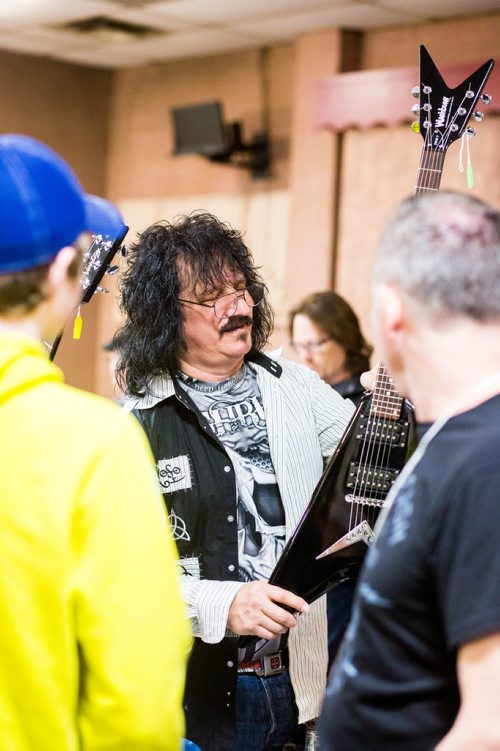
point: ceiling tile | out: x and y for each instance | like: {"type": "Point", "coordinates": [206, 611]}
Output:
{"type": "Point", "coordinates": [347, 16]}
{"type": "Point", "coordinates": [442, 8]}
{"type": "Point", "coordinates": [149, 18]}
{"type": "Point", "coordinates": [103, 58]}
{"type": "Point", "coordinates": [228, 11]}
{"type": "Point", "coordinates": [194, 44]}
{"type": "Point", "coordinates": [14, 13]}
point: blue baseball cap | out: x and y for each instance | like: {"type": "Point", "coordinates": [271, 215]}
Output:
{"type": "Point", "coordinates": [102, 217]}
{"type": "Point", "coordinates": [42, 205]}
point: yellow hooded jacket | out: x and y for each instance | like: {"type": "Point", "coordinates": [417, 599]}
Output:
{"type": "Point", "coordinates": [93, 634]}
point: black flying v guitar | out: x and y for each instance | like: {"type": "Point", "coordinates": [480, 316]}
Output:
{"type": "Point", "coordinates": [330, 541]}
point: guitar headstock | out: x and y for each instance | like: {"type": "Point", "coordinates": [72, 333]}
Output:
{"type": "Point", "coordinates": [443, 112]}
{"type": "Point", "coordinates": [96, 262]}
{"type": "Point", "coordinates": [98, 259]}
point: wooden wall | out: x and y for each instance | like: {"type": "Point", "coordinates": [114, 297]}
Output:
{"type": "Point", "coordinates": [67, 107]}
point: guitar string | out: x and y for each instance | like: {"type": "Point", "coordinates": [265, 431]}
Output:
{"type": "Point", "coordinates": [355, 510]}
{"type": "Point", "coordinates": [389, 403]}
{"type": "Point", "coordinates": [375, 452]}
{"type": "Point", "coordinates": [374, 422]}
{"type": "Point", "coordinates": [370, 457]}
{"type": "Point", "coordinates": [378, 452]}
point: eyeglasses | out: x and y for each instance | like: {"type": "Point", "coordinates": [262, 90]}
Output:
{"type": "Point", "coordinates": [310, 346]}
{"type": "Point", "coordinates": [226, 306]}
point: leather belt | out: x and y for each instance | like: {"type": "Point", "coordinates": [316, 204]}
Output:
{"type": "Point", "coordinates": [268, 665]}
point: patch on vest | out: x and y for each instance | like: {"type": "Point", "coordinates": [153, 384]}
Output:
{"type": "Point", "coordinates": [174, 474]}
{"type": "Point", "coordinates": [178, 526]}
{"type": "Point", "coordinates": [190, 567]}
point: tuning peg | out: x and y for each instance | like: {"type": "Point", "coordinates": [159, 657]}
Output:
{"type": "Point", "coordinates": [478, 116]}
{"type": "Point", "coordinates": [415, 109]}
{"type": "Point", "coordinates": [470, 132]}
{"type": "Point", "coordinates": [415, 127]}
{"type": "Point", "coordinates": [416, 92]}
{"type": "Point", "coordinates": [485, 98]}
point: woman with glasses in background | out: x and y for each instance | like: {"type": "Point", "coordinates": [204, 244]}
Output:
{"type": "Point", "coordinates": [326, 336]}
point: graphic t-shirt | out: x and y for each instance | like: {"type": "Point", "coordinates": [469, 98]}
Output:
{"type": "Point", "coordinates": [428, 586]}
{"type": "Point", "coordinates": [233, 408]}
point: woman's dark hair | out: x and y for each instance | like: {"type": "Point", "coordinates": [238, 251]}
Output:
{"type": "Point", "coordinates": [333, 315]}
{"type": "Point", "coordinates": [197, 249]}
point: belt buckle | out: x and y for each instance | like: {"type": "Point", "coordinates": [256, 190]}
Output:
{"type": "Point", "coordinates": [271, 665]}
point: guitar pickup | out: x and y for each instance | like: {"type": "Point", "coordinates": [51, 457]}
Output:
{"type": "Point", "coordinates": [374, 478]}
{"type": "Point", "coordinates": [388, 431]}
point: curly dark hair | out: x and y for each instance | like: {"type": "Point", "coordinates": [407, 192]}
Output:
{"type": "Point", "coordinates": [333, 315]}
{"type": "Point", "coordinates": [152, 337]}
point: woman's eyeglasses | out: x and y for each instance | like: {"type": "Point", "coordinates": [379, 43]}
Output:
{"type": "Point", "coordinates": [302, 349]}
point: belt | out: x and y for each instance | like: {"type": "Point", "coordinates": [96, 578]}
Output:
{"type": "Point", "coordinates": [268, 665]}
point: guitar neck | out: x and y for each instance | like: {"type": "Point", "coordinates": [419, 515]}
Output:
{"type": "Point", "coordinates": [386, 401]}
{"type": "Point", "coordinates": [430, 170]}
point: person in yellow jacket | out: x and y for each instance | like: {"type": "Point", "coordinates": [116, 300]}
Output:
{"type": "Point", "coordinates": [93, 633]}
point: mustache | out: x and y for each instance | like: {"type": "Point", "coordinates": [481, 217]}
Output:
{"type": "Point", "coordinates": [235, 322]}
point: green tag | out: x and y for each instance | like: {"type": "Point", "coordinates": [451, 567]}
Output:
{"type": "Point", "coordinates": [470, 178]}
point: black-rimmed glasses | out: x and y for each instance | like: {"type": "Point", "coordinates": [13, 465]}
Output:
{"type": "Point", "coordinates": [226, 305]}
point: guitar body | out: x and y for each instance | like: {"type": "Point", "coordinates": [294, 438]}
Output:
{"type": "Point", "coordinates": [346, 502]}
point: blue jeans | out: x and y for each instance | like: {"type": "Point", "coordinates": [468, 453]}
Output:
{"type": "Point", "coordinates": [266, 715]}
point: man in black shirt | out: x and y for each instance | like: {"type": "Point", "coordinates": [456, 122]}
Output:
{"type": "Point", "coordinates": [419, 668]}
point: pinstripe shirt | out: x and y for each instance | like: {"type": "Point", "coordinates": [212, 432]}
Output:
{"type": "Point", "coordinates": [305, 419]}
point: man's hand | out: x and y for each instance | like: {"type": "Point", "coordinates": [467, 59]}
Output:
{"type": "Point", "coordinates": [255, 611]}
{"type": "Point", "coordinates": [368, 379]}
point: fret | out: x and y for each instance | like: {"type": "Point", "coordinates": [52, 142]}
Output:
{"type": "Point", "coordinates": [386, 402]}
{"type": "Point", "coordinates": [430, 170]}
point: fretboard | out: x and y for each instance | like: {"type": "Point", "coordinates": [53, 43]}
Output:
{"type": "Point", "coordinates": [386, 402]}
{"type": "Point", "coordinates": [430, 170]}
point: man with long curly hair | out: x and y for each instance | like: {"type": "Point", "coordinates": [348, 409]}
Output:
{"type": "Point", "coordinates": [239, 439]}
